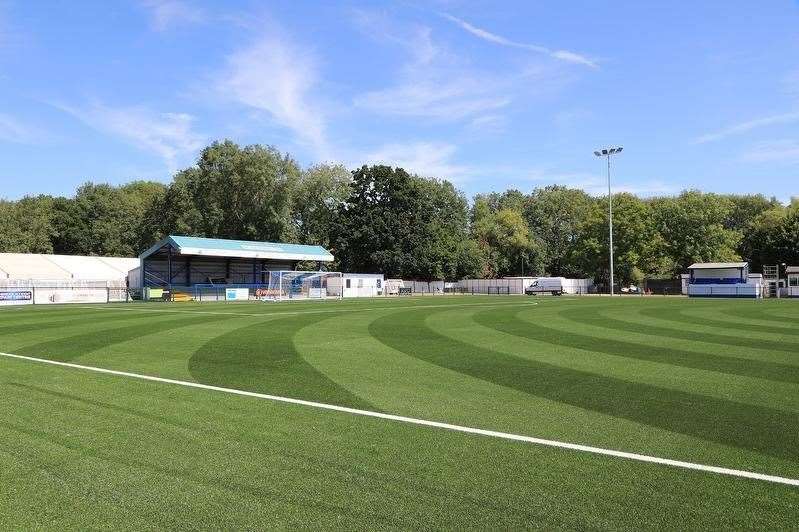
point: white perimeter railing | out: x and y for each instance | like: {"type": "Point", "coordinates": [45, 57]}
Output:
{"type": "Point", "coordinates": [43, 292]}
{"type": "Point", "coordinates": [725, 290]}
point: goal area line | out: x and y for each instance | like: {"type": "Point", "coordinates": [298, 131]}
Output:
{"type": "Point", "coordinates": [427, 423]}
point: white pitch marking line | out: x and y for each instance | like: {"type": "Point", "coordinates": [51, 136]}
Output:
{"type": "Point", "coordinates": [427, 423]}
{"type": "Point", "coordinates": [296, 312]}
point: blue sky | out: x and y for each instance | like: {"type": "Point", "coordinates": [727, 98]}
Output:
{"type": "Point", "coordinates": [489, 95]}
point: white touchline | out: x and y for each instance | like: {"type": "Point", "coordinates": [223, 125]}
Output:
{"type": "Point", "coordinates": [297, 312]}
{"type": "Point", "coordinates": [427, 423]}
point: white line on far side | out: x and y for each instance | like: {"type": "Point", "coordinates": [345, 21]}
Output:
{"type": "Point", "coordinates": [427, 423]}
{"type": "Point", "coordinates": [296, 312]}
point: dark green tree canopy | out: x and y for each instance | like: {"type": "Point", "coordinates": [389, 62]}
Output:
{"type": "Point", "coordinates": [27, 225]}
{"type": "Point", "coordinates": [383, 219]}
{"type": "Point", "coordinates": [233, 192]}
{"type": "Point", "coordinates": [103, 219]}
{"type": "Point", "coordinates": [320, 191]}
{"type": "Point", "coordinates": [402, 225]}
{"type": "Point", "coordinates": [693, 228]}
{"type": "Point", "coordinates": [557, 217]}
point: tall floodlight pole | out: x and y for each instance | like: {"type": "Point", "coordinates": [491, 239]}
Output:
{"type": "Point", "coordinates": [607, 152]}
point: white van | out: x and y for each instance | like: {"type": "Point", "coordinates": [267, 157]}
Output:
{"type": "Point", "coordinates": [545, 285]}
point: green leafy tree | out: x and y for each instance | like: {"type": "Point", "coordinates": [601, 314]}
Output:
{"type": "Point", "coordinates": [746, 208]}
{"type": "Point", "coordinates": [402, 225]}
{"type": "Point", "coordinates": [10, 233]}
{"type": "Point", "coordinates": [693, 230]}
{"type": "Point", "coordinates": [319, 193]}
{"type": "Point", "coordinates": [175, 213]}
{"type": "Point", "coordinates": [510, 199]}
{"type": "Point", "coordinates": [232, 192]}
{"type": "Point", "coordinates": [26, 226]}
{"type": "Point", "coordinates": [638, 246]}
{"type": "Point", "coordinates": [557, 217]}
{"type": "Point", "coordinates": [505, 241]}
{"type": "Point", "coordinates": [773, 237]}
{"type": "Point", "coordinates": [105, 220]}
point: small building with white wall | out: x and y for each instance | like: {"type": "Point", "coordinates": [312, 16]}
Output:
{"type": "Point", "coordinates": [357, 285]}
{"type": "Point", "coordinates": [723, 279]}
{"type": "Point", "coordinates": [792, 272]}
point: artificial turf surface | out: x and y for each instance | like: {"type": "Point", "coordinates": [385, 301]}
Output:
{"type": "Point", "coordinates": [708, 381]}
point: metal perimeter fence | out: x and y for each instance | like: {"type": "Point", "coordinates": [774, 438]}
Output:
{"type": "Point", "coordinates": [35, 294]}
{"type": "Point", "coordinates": [59, 292]}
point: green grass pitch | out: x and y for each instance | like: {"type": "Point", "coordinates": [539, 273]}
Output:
{"type": "Point", "coordinates": [714, 382]}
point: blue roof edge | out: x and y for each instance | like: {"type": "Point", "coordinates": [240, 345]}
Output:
{"type": "Point", "coordinates": [155, 247]}
{"type": "Point", "coordinates": [179, 241]}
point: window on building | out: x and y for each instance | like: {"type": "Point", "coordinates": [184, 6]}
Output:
{"type": "Point", "coordinates": [794, 280]}
{"type": "Point", "coordinates": [348, 283]}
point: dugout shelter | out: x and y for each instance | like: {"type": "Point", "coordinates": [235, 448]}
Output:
{"type": "Point", "coordinates": [723, 279]}
{"type": "Point", "coordinates": [186, 262]}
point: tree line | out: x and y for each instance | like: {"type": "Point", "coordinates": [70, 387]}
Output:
{"type": "Point", "coordinates": [383, 219]}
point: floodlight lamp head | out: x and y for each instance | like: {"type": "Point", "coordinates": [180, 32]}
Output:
{"type": "Point", "coordinates": [597, 154]}
{"type": "Point", "coordinates": [604, 152]}
{"type": "Point", "coordinates": [618, 150]}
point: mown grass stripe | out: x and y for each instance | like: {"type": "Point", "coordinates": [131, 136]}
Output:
{"type": "Point", "coordinates": [262, 357]}
{"type": "Point", "coordinates": [755, 428]}
{"type": "Point", "coordinates": [435, 424]}
{"type": "Point", "coordinates": [730, 365]}
{"type": "Point", "coordinates": [650, 328]}
{"type": "Point", "coordinates": [70, 347]}
{"type": "Point", "coordinates": [760, 314]}
{"type": "Point", "coordinates": [63, 321]}
{"type": "Point", "coordinates": [682, 317]}
{"type": "Point", "coordinates": [725, 333]}
{"type": "Point", "coordinates": [781, 396]}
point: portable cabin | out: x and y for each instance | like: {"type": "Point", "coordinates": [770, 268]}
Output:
{"type": "Point", "coordinates": [358, 284]}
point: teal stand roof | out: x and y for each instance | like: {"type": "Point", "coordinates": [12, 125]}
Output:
{"type": "Point", "coordinates": [220, 247]}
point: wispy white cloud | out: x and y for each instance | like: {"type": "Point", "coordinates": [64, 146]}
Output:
{"type": "Point", "coordinates": [429, 159]}
{"type": "Point", "coordinates": [743, 127]}
{"type": "Point", "coordinates": [786, 151]}
{"type": "Point", "coordinates": [166, 14]}
{"type": "Point", "coordinates": [169, 135]}
{"type": "Point", "coordinates": [488, 123]}
{"type": "Point", "coordinates": [593, 184]}
{"type": "Point", "coordinates": [275, 76]}
{"type": "Point", "coordinates": [455, 100]}
{"type": "Point", "coordinates": [435, 84]}
{"type": "Point", "coordinates": [561, 55]}
{"type": "Point", "coordinates": [13, 130]}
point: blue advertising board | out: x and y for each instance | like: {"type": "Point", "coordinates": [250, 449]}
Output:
{"type": "Point", "coordinates": [16, 295]}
